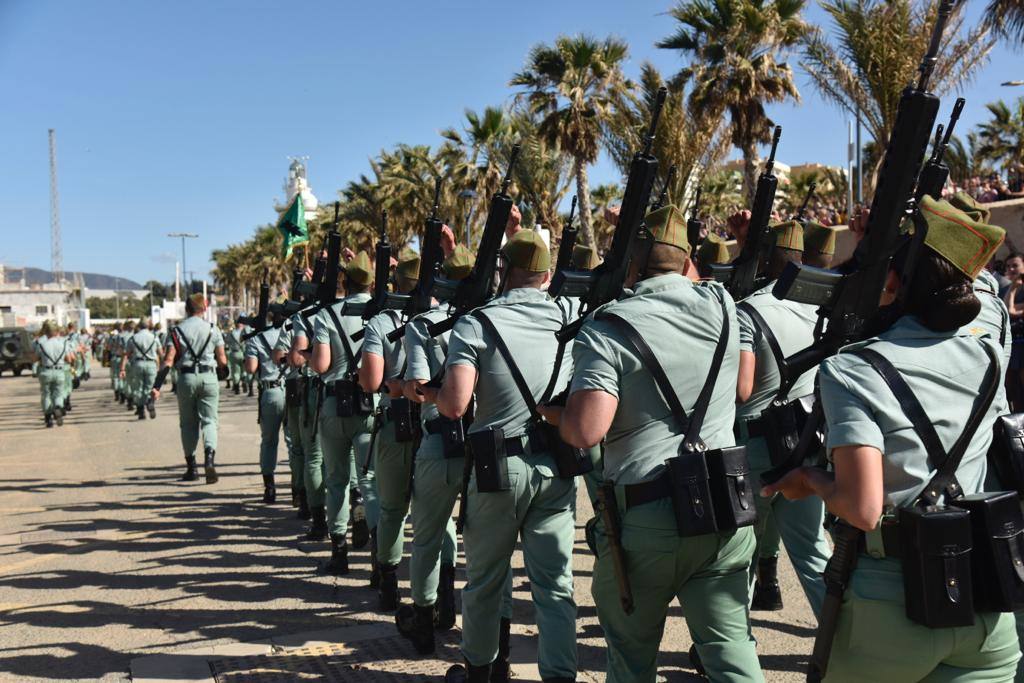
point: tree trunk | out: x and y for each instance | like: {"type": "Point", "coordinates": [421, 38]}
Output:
{"type": "Point", "coordinates": [583, 197]}
{"type": "Point", "coordinates": [750, 160]}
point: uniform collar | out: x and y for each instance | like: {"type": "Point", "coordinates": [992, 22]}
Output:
{"type": "Point", "coordinates": [661, 283]}
{"type": "Point", "coordinates": [909, 327]}
{"type": "Point", "coordinates": [521, 295]}
{"type": "Point", "coordinates": [358, 298]}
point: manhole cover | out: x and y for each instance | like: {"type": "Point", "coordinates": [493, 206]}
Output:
{"type": "Point", "coordinates": [376, 660]}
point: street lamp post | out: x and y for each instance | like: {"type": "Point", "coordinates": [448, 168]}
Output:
{"type": "Point", "coordinates": [183, 236]}
{"type": "Point", "coordinates": [470, 195]}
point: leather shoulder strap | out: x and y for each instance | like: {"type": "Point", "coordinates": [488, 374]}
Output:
{"type": "Point", "coordinates": [517, 375]}
{"type": "Point", "coordinates": [773, 345]}
{"type": "Point", "coordinates": [349, 352]}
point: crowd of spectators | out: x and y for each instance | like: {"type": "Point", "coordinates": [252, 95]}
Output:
{"type": "Point", "coordinates": [986, 189]}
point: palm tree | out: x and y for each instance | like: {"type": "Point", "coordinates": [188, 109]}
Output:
{"type": "Point", "coordinates": [542, 175]}
{"type": "Point", "coordinates": [965, 161]}
{"type": "Point", "coordinates": [878, 45]}
{"type": "Point", "coordinates": [573, 86]}
{"type": "Point", "coordinates": [1007, 18]}
{"type": "Point", "coordinates": [1001, 139]}
{"type": "Point", "coordinates": [604, 196]}
{"type": "Point", "coordinates": [737, 50]}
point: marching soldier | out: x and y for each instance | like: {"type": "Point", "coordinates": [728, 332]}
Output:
{"type": "Point", "coordinates": [259, 362]}
{"type": "Point", "coordinates": [684, 326]}
{"type": "Point", "coordinates": [236, 357]}
{"type": "Point", "coordinates": [197, 347]}
{"type": "Point", "coordinates": [346, 413]}
{"type": "Point", "coordinates": [770, 331]}
{"type": "Point", "coordinates": [532, 502]}
{"type": "Point", "coordinates": [113, 352]}
{"type": "Point", "coordinates": [54, 354]}
{"type": "Point", "coordinates": [85, 354]}
{"type": "Point", "coordinates": [124, 339]}
{"type": "Point", "coordinates": [294, 391]}
{"type": "Point", "coordinates": [142, 355]}
{"type": "Point", "coordinates": [883, 470]}
{"type": "Point", "coordinates": [395, 435]}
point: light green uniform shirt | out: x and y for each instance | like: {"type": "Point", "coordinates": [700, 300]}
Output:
{"type": "Point", "coordinates": [284, 343]}
{"type": "Point", "coordinates": [143, 346]}
{"type": "Point", "coordinates": [51, 352]}
{"type": "Point", "coordinates": [261, 350]}
{"type": "Point", "coordinates": [196, 331]}
{"type": "Point", "coordinates": [325, 332]}
{"type": "Point", "coordinates": [426, 356]}
{"type": "Point", "coordinates": [375, 341]}
{"type": "Point", "coordinates": [527, 320]}
{"type": "Point", "coordinates": [681, 322]}
{"type": "Point", "coordinates": [793, 327]}
{"type": "Point", "coordinates": [945, 370]}
{"type": "Point", "coordinates": [233, 341]}
{"type": "Point", "coordinates": [301, 327]}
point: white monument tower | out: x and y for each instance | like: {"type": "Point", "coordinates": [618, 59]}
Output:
{"type": "Point", "coordinates": [297, 183]}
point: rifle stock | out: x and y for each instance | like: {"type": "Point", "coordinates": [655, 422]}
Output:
{"type": "Point", "coordinates": [935, 173]}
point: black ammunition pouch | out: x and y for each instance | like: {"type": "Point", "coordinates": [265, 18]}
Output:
{"type": "Point", "coordinates": [569, 461]}
{"type": "Point", "coordinates": [936, 557]}
{"type": "Point", "coordinates": [997, 555]}
{"type": "Point", "coordinates": [711, 491]}
{"type": "Point", "coordinates": [349, 398]}
{"type": "Point", "coordinates": [294, 392]}
{"type": "Point", "coordinates": [949, 551]}
{"type": "Point", "coordinates": [453, 435]}
{"type": "Point", "coordinates": [782, 423]}
{"type": "Point", "coordinates": [405, 416]}
{"type": "Point", "coordinates": [1006, 454]}
{"type": "Point", "coordinates": [222, 373]}
{"type": "Point", "coordinates": [490, 451]}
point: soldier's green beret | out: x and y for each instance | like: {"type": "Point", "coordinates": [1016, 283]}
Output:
{"type": "Point", "coordinates": [712, 250]}
{"type": "Point", "coordinates": [408, 265]}
{"type": "Point", "coordinates": [459, 264]}
{"type": "Point", "coordinates": [789, 235]}
{"type": "Point", "coordinates": [526, 250]}
{"type": "Point", "coordinates": [584, 257]}
{"type": "Point", "coordinates": [667, 225]}
{"type": "Point", "coordinates": [972, 208]}
{"type": "Point", "coordinates": [358, 270]}
{"type": "Point", "coordinates": [955, 236]}
{"type": "Point", "coordinates": [819, 239]}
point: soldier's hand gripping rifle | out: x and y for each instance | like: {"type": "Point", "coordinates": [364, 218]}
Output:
{"type": "Point", "coordinates": [801, 214]}
{"type": "Point", "coordinates": [382, 298]}
{"type": "Point", "coordinates": [431, 256]}
{"type": "Point", "coordinates": [568, 241]}
{"type": "Point", "coordinates": [603, 284]}
{"type": "Point", "coordinates": [746, 274]}
{"type": "Point", "coordinates": [849, 300]}
{"type": "Point", "coordinates": [694, 225]}
{"type": "Point", "coordinates": [286, 309]}
{"type": "Point", "coordinates": [258, 322]}
{"type": "Point", "coordinates": [478, 287]}
{"type": "Point", "coordinates": [935, 172]}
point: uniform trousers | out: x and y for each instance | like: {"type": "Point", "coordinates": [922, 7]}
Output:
{"type": "Point", "coordinates": [344, 440]}
{"type": "Point", "coordinates": [51, 388]}
{"type": "Point", "coordinates": [271, 418]}
{"type": "Point", "coordinates": [392, 467]}
{"type": "Point", "coordinates": [198, 398]}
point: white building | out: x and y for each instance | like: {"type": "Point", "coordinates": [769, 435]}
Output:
{"type": "Point", "coordinates": [297, 183]}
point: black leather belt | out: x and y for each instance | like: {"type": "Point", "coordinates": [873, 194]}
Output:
{"type": "Point", "coordinates": [437, 425]}
{"type": "Point", "coordinates": [648, 491]}
{"type": "Point", "coordinates": [266, 384]}
{"type": "Point", "coordinates": [196, 369]}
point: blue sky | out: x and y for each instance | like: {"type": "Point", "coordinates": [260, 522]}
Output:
{"type": "Point", "coordinates": [179, 115]}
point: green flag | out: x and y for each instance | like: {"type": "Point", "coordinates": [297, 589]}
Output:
{"type": "Point", "coordinates": [293, 226]}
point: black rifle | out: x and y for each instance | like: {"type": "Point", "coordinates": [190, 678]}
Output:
{"type": "Point", "coordinates": [568, 241]}
{"type": "Point", "coordinates": [746, 274]}
{"type": "Point", "coordinates": [382, 299]}
{"type": "Point", "coordinates": [325, 292]}
{"type": "Point", "coordinates": [431, 256]}
{"type": "Point", "coordinates": [603, 284]}
{"type": "Point", "coordinates": [306, 291]}
{"type": "Point", "coordinates": [285, 309]}
{"type": "Point", "coordinates": [478, 287]}
{"type": "Point", "coordinates": [663, 195]}
{"type": "Point", "coordinates": [935, 172]}
{"type": "Point", "coordinates": [258, 322]}
{"type": "Point", "coordinates": [802, 211]}
{"type": "Point", "coordinates": [695, 226]}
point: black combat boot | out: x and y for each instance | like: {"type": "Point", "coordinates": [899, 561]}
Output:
{"type": "Point", "coordinates": [357, 512]}
{"type": "Point", "coordinates": [67, 405]}
{"type": "Point", "coordinates": [129, 403]}
{"type": "Point", "coordinates": [417, 624]}
{"type": "Point", "coordinates": [318, 530]}
{"type": "Point", "coordinates": [387, 594]}
{"type": "Point", "coordinates": [190, 469]}
{"type": "Point", "coordinates": [303, 512]}
{"type": "Point", "coordinates": [501, 671]}
{"type": "Point", "coordinates": [58, 416]}
{"type": "Point", "coordinates": [174, 387]}
{"type": "Point", "coordinates": [151, 407]}
{"type": "Point", "coordinates": [338, 564]}
{"type": "Point", "coordinates": [446, 598]}
{"type": "Point", "coordinates": [210, 466]}
{"type": "Point", "coordinates": [49, 419]}
{"type": "Point", "coordinates": [467, 673]}
{"type": "Point", "coordinates": [250, 388]}
{"type": "Point", "coordinates": [120, 396]}
{"type": "Point", "coordinates": [228, 383]}
{"type": "Point", "coordinates": [767, 594]}
{"type": "Point", "coordinates": [269, 490]}
{"type": "Point", "coordinates": [236, 389]}
{"type": "Point", "coordinates": [141, 411]}
{"type": "Point", "coordinates": [374, 565]}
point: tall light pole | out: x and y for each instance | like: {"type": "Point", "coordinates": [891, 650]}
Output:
{"type": "Point", "coordinates": [183, 236]}
{"type": "Point", "coordinates": [469, 195]}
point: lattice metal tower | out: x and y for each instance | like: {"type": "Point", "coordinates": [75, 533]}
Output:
{"type": "Point", "coordinates": [56, 250]}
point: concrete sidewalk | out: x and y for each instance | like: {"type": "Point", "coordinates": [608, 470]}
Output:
{"type": "Point", "coordinates": [111, 569]}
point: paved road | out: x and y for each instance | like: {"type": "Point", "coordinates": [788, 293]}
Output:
{"type": "Point", "coordinates": [105, 557]}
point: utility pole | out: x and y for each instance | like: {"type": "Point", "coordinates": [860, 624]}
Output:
{"type": "Point", "coordinates": [56, 249]}
{"type": "Point", "coordinates": [183, 236]}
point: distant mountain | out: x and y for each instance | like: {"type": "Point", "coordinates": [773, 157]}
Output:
{"type": "Point", "coordinates": [38, 276]}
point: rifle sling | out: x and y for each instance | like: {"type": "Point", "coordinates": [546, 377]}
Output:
{"type": "Point", "coordinates": [773, 345]}
{"type": "Point", "coordinates": [352, 358]}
